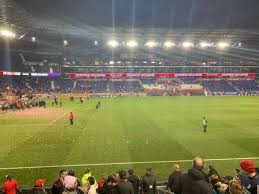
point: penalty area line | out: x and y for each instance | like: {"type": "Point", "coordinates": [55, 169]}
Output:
{"type": "Point", "coordinates": [61, 116]}
{"type": "Point", "coordinates": [124, 163]}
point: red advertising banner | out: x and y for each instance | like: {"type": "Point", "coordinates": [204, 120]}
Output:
{"type": "Point", "coordinates": [11, 73]}
{"type": "Point", "coordinates": [121, 75]}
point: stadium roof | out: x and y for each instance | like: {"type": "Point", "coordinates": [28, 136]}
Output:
{"type": "Point", "coordinates": [149, 13]}
{"type": "Point", "coordinates": [83, 22]}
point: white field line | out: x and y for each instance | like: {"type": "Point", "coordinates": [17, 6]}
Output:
{"type": "Point", "coordinates": [61, 116]}
{"type": "Point", "coordinates": [40, 124]}
{"type": "Point", "coordinates": [37, 124]}
{"type": "Point", "coordinates": [124, 163]}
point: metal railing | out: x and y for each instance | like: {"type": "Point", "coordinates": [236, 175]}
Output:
{"type": "Point", "coordinates": [163, 190]}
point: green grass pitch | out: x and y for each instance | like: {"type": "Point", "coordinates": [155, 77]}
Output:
{"type": "Point", "coordinates": [130, 129]}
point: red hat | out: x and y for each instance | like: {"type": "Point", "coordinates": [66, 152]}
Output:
{"type": "Point", "coordinates": [248, 166]}
{"type": "Point", "coordinates": [39, 182]}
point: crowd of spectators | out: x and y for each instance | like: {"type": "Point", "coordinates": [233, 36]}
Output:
{"type": "Point", "coordinates": [194, 181]}
{"type": "Point", "coordinates": [19, 100]}
{"type": "Point", "coordinates": [212, 86]}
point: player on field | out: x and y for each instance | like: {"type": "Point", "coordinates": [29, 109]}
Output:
{"type": "Point", "coordinates": [205, 124]}
{"type": "Point", "coordinates": [71, 118]}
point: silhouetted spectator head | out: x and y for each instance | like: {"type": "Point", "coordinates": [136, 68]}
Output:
{"type": "Point", "coordinates": [88, 170]}
{"type": "Point", "coordinates": [214, 180]}
{"type": "Point", "coordinates": [131, 171]}
{"type": "Point", "coordinates": [176, 167]}
{"type": "Point", "coordinates": [91, 180]}
{"type": "Point", "coordinates": [103, 177]}
{"type": "Point", "coordinates": [63, 173]}
{"type": "Point", "coordinates": [122, 174]}
{"type": "Point", "coordinates": [8, 177]}
{"type": "Point", "coordinates": [148, 171]}
{"type": "Point", "coordinates": [198, 163]}
{"type": "Point", "coordinates": [71, 173]}
{"type": "Point", "coordinates": [112, 180]}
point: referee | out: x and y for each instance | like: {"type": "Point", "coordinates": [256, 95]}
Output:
{"type": "Point", "coordinates": [205, 124]}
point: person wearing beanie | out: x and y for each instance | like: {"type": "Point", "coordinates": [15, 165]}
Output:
{"type": "Point", "coordinates": [249, 177]}
{"type": "Point", "coordinates": [124, 186]}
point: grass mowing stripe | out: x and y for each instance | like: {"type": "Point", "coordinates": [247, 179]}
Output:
{"type": "Point", "coordinates": [125, 163]}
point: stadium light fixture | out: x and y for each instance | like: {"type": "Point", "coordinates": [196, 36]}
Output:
{"type": "Point", "coordinates": [187, 44]}
{"type": "Point", "coordinates": [111, 62]}
{"type": "Point", "coordinates": [169, 44]}
{"type": "Point", "coordinates": [222, 45]}
{"type": "Point", "coordinates": [7, 34]}
{"type": "Point", "coordinates": [132, 44]}
{"type": "Point", "coordinates": [33, 39]}
{"type": "Point", "coordinates": [113, 43]}
{"type": "Point", "coordinates": [151, 44]}
{"type": "Point", "coordinates": [65, 42]}
{"type": "Point", "coordinates": [205, 44]}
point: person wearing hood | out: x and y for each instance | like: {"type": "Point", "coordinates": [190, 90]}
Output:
{"type": "Point", "coordinates": [195, 181]}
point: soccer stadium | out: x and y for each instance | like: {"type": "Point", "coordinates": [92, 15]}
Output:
{"type": "Point", "coordinates": [129, 97]}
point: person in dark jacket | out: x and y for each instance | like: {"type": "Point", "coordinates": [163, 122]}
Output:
{"type": "Point", "coordinates": [195, 181]}
{"type": "Point", "coordinates": [134, 180]}
{"type": "Point", "coordinates": [58, 186]}
{"type": "Point", "coordinates": [148, 182]}
{"type": "Point", "coordinates": [173, 178]}
{"type": "Point", "coordinates": [124, 186]}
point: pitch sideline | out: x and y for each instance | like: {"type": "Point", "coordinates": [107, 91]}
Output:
{"type": "Point", "coordinates": [123, 163]}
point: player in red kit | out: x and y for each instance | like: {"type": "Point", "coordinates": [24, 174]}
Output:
{"type": "Point", "coordinates": [71, 118]}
